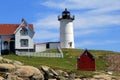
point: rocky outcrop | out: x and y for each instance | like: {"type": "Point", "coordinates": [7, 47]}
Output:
{"type": "Point", "coordinates": [11, 72]}
{"type": "Point", "coordinates": [15, 70]}
{"type": "Point", "coordinates": [113, 61]}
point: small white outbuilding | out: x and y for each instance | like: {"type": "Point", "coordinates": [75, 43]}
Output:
{"type": "Point", "coordinates": [46, 46]}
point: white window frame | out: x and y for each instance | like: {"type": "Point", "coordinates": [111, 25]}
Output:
{"type": "Point", "coordinates": [24, 42]}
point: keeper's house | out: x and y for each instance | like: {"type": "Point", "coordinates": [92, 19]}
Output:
{"type": "Point", "coordinates": [16, 37]}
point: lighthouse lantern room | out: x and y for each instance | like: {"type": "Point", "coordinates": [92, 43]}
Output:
{"type": "Point", "coordinates": [66, 30]}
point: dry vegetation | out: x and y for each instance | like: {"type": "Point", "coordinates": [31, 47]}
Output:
{"type": "Point", "coordinates": [113, 61]}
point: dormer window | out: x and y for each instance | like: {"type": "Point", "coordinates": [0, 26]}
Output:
{"type": "Point", "coordinates": [24, 32]}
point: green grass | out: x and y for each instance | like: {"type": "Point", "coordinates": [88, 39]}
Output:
{"type": "Point", "coordinates": [60, 63]}
{"type": "Point", "coordinates": [67, 63]}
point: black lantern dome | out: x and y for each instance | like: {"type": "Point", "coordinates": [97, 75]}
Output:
{"type": "Point", "coordinates": [66, 15]}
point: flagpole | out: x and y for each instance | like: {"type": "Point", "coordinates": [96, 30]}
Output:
{"type": "Point", "coordinates": [26, 25]}
{"type": "Point", "coordinates": [28, 38]}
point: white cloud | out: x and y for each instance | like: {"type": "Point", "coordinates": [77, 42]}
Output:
{"type": "Point", "coordinates": [46, 36]}
{"type": "Point", "coordinates": [85, 32]}
{"type": "Point", "coordinates": [112, 42]}
{"type": "Point", "coordinates": [89, 21]}
{"type": "Point", "coordinates": [44, 27]}
{"type": "Point", "coordinates": [47, 22]}
{"type": "Point", "coordinates": [96, 16]}
{"type": "Point", "coordinates": [81, 4]}
{"type": "Point", "coordinates": [86, 43]}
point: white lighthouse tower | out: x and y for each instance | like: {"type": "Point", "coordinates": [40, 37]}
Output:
{"type": "Point", "coordinates": [66, 30]}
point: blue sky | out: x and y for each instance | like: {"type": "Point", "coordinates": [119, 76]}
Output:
{"type": "Point", "coordinates": [96, 24]}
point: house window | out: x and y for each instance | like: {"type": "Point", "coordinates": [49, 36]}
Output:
{"type": "Point", "coordinates": [47, 45]}
{"type": "Point", "coordinates": [6, 45]}
{"type": "Point", "coordinates": [24, 42]}
{"type": "Point", "coordinates": [24, 32]}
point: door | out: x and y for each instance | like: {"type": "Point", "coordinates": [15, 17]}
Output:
{"type": "Point", "coordinates": [12, 47]}
{"type": "Point", "coordinates": [0, 46]}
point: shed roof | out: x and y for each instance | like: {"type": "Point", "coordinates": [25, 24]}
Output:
{"type": "Point", "coordinates": [88, 53]}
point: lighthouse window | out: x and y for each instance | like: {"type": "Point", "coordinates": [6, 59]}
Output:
{"type": "Point", "coordinates": [64, 14]}
{"type": "Point", "coordinates": [70, 44]}
{"type": "Point", "coordinates": [68, 14]}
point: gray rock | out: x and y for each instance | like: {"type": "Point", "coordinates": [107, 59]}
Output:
{"type": "Point", "coordinates": [17, 63]}
{"type": "Point", "coordinates": [45, 68]}
{"type": "Point", "coordinates": [29, 72]}
{"type": "Point", "coordinates": [61, 78]}
{"type": "Point", "coordinates": [11, 76]}
{"type": "Point", "coordinates": [1, 58]}
{"type": "Point", "coordinates": [49, 73]}
{"type": "Point", "coordinates": [62, 73]}
{"type": "Point", "coordinates": [71, 76]}
{"type": "Point", "coordinates": [4, 60]}
{"type": "Point", "coordinates": [7, 67]}
{"type": "Point", "coordinates": [1, 78]}
{"type": "Point", "coordinates": [53, 72]}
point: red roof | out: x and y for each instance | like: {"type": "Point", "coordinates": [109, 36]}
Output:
{"type": "Point", "coordinates": [9, 29]}
{"type": "Point", "coordinates": [87, 53]}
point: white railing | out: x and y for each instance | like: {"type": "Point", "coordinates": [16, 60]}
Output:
{"type": "Point", "coordinates": [60, 50]}
{"type": "Point", "coordinates": [38, 54]}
